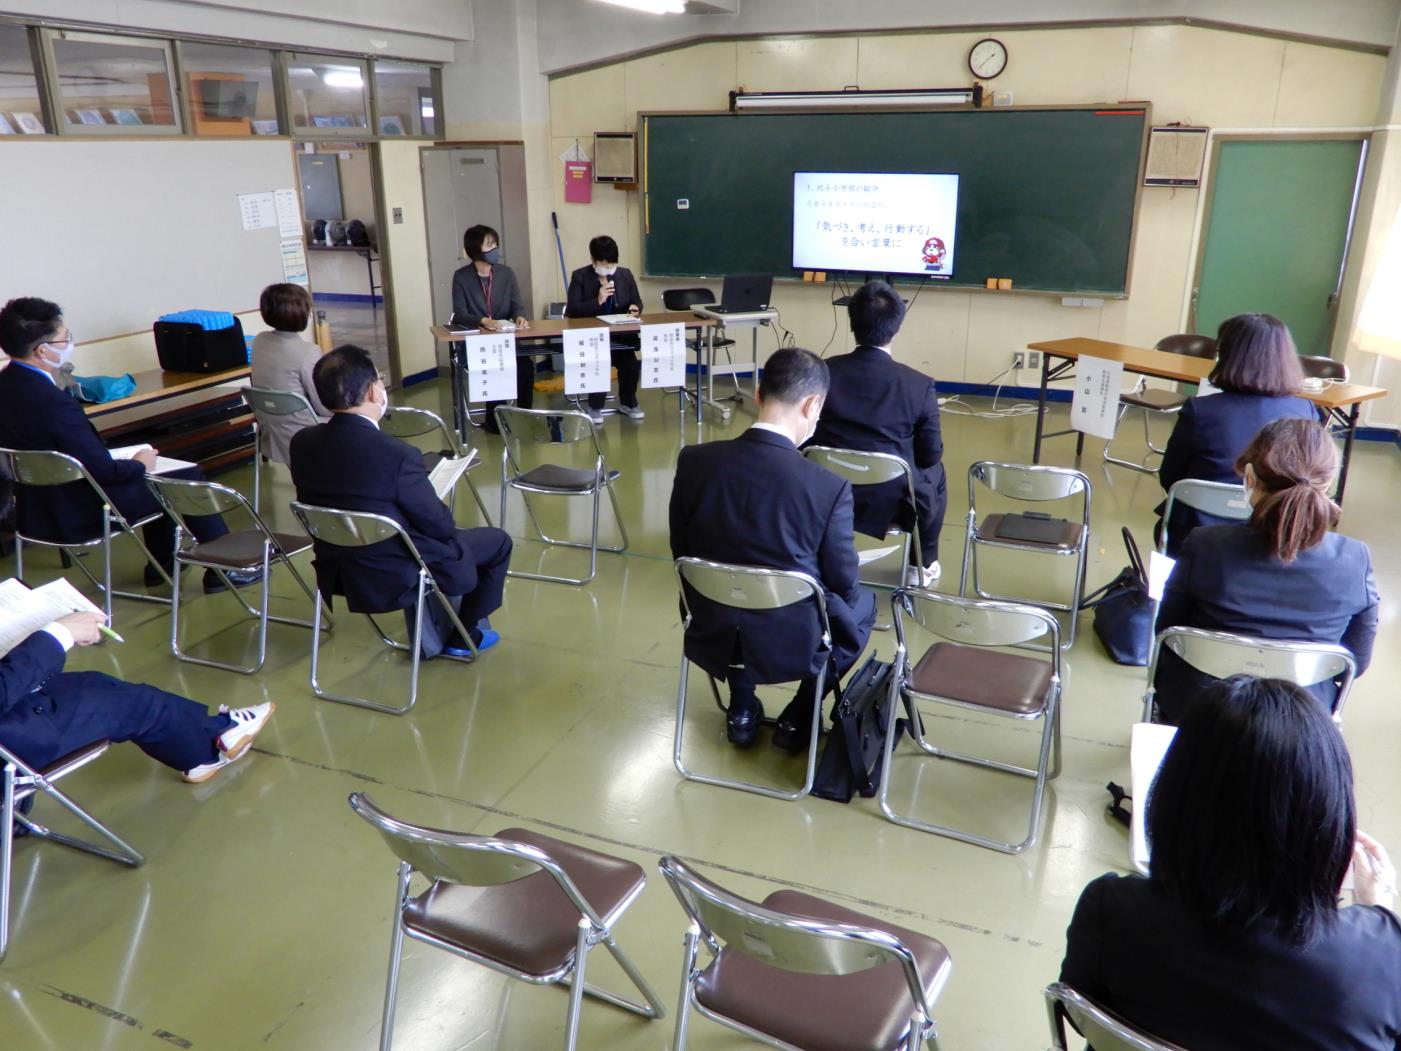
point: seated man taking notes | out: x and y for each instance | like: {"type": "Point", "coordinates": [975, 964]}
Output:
{"type": "Point", "coordinates": [349, 464]}
{"type": "Point", "coordinates": [881, 406]}
{"type": "Point", "coordinates": [755, 501]}
{"type": "Point", "coordinates": [35, 414]}
{"type": "Point", "coordinates": [604, 287]}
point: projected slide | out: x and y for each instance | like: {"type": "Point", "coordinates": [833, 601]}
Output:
{"type": "Point", "coordinates": [877, 223]}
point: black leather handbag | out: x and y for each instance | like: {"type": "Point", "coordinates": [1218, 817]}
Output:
{"type": "Point", "coordinates": [1123, 611]}
{"type": "Point", "coordinates": [855, 751]}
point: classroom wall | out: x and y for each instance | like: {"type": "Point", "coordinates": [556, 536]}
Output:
{"type": "Point", "coordinates": [1220, 78]}
{"type": "Point", "coordinates": [407, 245]}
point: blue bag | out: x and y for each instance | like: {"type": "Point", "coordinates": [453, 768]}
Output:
{"type": "Point", "coordinates": [99, 389]}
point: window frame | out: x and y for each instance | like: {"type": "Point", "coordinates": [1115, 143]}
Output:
{"type": "Point", "coordinates": [58, 104]}
{"type": "Point", "coordinates": [296, 131]}
{"type": "Point", "coordinates": [188, 100]}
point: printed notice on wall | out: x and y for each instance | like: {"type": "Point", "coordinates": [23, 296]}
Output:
{"type": "Point", "coordinates": [258, 211]}
{"type": "Point", "coordinates": [663, 355]}
{"type": "Point", "coordinates": [490, 361]}
{"type": "Point", "coordinates": [294, 263]}
{"type": "Point", "coordinates": [1095, 409]}
{"type": "Point", "coordinates": [586, 360]}
{"type": "Point", "coordinates": [289, 213]}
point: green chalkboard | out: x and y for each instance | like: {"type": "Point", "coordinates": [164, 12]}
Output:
{"type": "Point", "coordinates": [1046, 196]}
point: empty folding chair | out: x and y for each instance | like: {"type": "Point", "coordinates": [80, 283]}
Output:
{"type": "Point", "coordinates": [801, 974]}
{"type": "Point", "coordinates": [240, 550]}
{"type": "Point", "coordinates": [45, 468]}
{"type": "Point", "coordinates": [1222, 654]}
{"type": "Point", "coordinates": [525, 905]}
{"type": "Point", "coordinates": [1155, 401]}
{"type": "Point", "coordinates": [966, 669]}
{"type": "Point", "coordinates": [540, 429]}
{"type": "Point", "coordinates": [1033, 532]}
{"type": "Point", "coordinates": [1101, 1029]}
{"type": "Point", "coordinates": [19, 782]}
{"type": "Point", "coordinates": [403, 421]}
{"type": "Point", "coordinates": [266, 403]}
{"type": "Point", "coordinates": [362, 529]}
{"type": "Point", "coordinates": [1219, 499]}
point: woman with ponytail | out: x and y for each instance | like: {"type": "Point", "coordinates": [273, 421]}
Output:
{"type": "Point", "coordinates": [1282, 575]}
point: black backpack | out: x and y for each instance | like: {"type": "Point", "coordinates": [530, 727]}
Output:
{"type": "Point", "coordinates": [357, 234]}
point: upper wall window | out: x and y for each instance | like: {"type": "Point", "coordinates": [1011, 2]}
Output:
{"type": "Point", "coordinates": [406, 98]}
{"type": "Point", "coordinates": [20, 110]}
{"type": "Point", "coordinates": [326, 93]}
{"type": "Point", "coordinates": [230, 89]}
{"type": "Point", "coordinates": [109, 84]}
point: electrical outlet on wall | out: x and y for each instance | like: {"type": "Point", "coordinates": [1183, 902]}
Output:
{"type": "Point", "coordinates": [1033, 359]}
{"type": "Point", "coordinates": [1018, 359]}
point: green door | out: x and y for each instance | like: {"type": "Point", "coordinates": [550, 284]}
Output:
{"type": "Point", "coordinates": [1281, 213]}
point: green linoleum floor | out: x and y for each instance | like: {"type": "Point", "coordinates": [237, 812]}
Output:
{"type": "Point", "coordinates": [261, 918]}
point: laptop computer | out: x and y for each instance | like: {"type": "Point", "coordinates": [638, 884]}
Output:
{"type": "Point", "coordinates": [745, 293]}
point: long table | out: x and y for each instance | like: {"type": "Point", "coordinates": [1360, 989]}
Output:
{"type": "Point", "coordinates": [1342, 402]}
{"type": "Point", "coordinates": [158, 385]}
{"type": "Point", "coordinates": [540, 337]}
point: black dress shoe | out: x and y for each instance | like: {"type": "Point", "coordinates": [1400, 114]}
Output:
{"type": "Point", "coordinates": [743, 727]}
{"type": "Point", "coordinates": [794, 731]}
{"type": "Point", "coordinates": [213, 583]}
{"type": "Point", "coordinates": [154, 579]}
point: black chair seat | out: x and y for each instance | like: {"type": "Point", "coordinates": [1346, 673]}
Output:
{"type": "Point", "coordinates": [241, 549]}
{"type": "Point", "coordinates": [1152, 398]}
{"type": "Point", "coordinates": [554, 478]}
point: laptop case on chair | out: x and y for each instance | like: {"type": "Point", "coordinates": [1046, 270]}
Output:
{"type": "Point", "coordinates": [854, 755]}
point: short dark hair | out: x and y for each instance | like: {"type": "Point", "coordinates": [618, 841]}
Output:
{"type": "Point", "coordinates": [285, 307]}
{"type": "Point", "coordinates": [343, 377]}
{"type": "Point", "coordinates": [1251, 817]}
{"type": "Point", "coordinates": [792, 374]}
{"type": "Point", "coordinates": [1255, 354]}
{"type": "Point", "coordinates": [474, 237]}
{"type": "Point", "coordinates": [604, 249]}
{"type": "Point", "coordinates": [876, 312]}
{"type": "Point", "coordinates": [25, 323]}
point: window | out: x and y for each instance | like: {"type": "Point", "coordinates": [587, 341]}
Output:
{"type": "Point", "coordinates": [112, 84]}
{"type": "Point", "coordinates": [20, 111]}
{"type": "Point", "coordinates": [406, 99]}
{"type": "Point", "coordinates": [326, 93]}
{"type": "Point", "coordinates": [230, 89]}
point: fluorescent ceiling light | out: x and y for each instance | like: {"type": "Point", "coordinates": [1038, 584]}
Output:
{"type": "Point", "coordinates": [829, 100]}
{"type": "Point", "coordinates": [652, 7]}
{"type": "Point", "coordinates": [343, 78]}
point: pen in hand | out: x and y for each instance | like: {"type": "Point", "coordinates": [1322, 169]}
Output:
{"type": "Point", "coordinates": [103, 628]}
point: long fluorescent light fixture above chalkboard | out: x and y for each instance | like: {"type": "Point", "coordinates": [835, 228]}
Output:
{"type": "Point", "coordinates": [914, 98]}
{"type": "Point", "coordinates": [652, 7]}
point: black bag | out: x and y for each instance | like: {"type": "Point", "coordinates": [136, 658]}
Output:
{"type": "Point", "coordinates": [1124, 612]}
{"type": "Point", "coordinates": [185, 347]}
{"type": "Point", "coordinates": [356, 234]}
{"type": "Point", "coordinates": [855, 749]}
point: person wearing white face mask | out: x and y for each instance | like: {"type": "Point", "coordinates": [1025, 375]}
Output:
{"type": "Point", "coordinates": [604, 287]}
{"type": "Point", "coordinates": [486, 293]}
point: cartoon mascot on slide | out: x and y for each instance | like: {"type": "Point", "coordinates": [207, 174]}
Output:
{"type": "Point", "coordinates": [934, 253]}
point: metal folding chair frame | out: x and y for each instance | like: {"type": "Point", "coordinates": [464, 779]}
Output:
{"type": "Point", "coordinates": [440, 855]}
{"type": "Point", "coordinates": [74, 471]}
{"type": "Point", "coordinates": [1036, 483]}
{"type": "Point", "coordinates": [787, 942]}
{"type": "Point", "coordinates": [19, 781]}
{"type": "Point", "coordinates": [380, 528]}
{"type": "Point", "coordinates": [974, 625]}
{"type": "Point", "coordinates": [291, 402]}
{"type": "Point", "coordinates": [1104, 1030]}
{"type": "Point", "coordinates": [232, 499]}
{"type": "Point", "coordinates": [511, 475]}
{"type": "Point", "coordinates": [1222, 499]}
{"type": "Point", "coordinates": [432, 421]}
{"type": "Point", "coordinates": [1148, 412]}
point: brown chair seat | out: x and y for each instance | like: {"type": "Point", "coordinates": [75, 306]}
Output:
{"type": "Point", "coordinates": [1069, 535]}
{"type": "Point", "coordinates": [529, 925]}
{"type": "Point", "coordinates": [866, 1011]}
{"type": "Point", "coordinates": [1005, 682]}
{"type": "Point", "coordinates": [1155, 399]}
{"type": "Point", "coordinates": [555, 478]}
{"type": "Point", "coordinates": [243, 549]}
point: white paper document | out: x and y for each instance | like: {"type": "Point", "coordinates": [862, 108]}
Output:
{"type": "Point", "coordinates": [490, 361]}
{"type": "Point", "coordinates": [1159, 569]}
{"type": "Point", "coordinates": [24, 611]}
{"type": "Point", "coordinates": [289, 214]}
{"type": "Point", "coordinates": [1095, 408]}
{"type": "Point", "coordinates": [294, 269]}
{"type": "Point", "coordinates": [258, 211]}
{"type": "Point", "coordinates": [663, 355]}
{"type": "Point", "coordinates": [446, 473]}
{"type": "Point", "coordinates": [1147, 748]}
{"type": "Point", "coordinates": [872, 554]}
{"type": "Point", "coordinates": [586, 361]}
{"type": "Point", "coordinates": [164, 464]}
{"type": "Point", "coordinates": [617, 319]}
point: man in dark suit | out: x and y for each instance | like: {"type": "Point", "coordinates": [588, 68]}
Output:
{"type": "Point", "coordinates": [35, 414]}
{"type": "Point", "coordinates": [46, 712]}
{"type": "Point", "coordinates": [755, 501]}
{"type": "Point", "coordinates": [878, 405]}
{"type": "Point", "coordinates": [604, 287]}
{"type": "Point", "coordinates": [348, 463]}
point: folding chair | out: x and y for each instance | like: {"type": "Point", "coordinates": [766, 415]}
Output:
{"type": "Point", "coordinates": [237, 551]}
{"type": "Point", "coordinates": [868, 468]}
{"type": "Point", "coordinates": [1032, 484]}
{"type": "Point", "coordinates": [525, 905]}
{"type": "Point", "coordinates": [683, 299]}
{"type": "Point", "coordinates": [1152, 400]}
{"type": "Point", "coordinates": [20, 781]}
{"type": "Point", "coordinates": [1222, 654]}
{"type": "Point", "coordinates": [797, 972]}
{"type": "Point", "coordinates": [967, 670]}
{"type": "Point", "coordinates": [1102, 1029]}
{"type": "Point", "coordinates": [266, 402]}
{"type": "Point", "coordinates": [41, 468]}
{"type": "Point", "coordinates": [403, 421]}
{"type": "Point", "coordinates": [761, 590]}
{"type": "Point", "coordinates": [1222, 499]}
{"type": "Point", "coordinates": [361, 529]}
{"type": "Point", "coordinates": [545, 427]}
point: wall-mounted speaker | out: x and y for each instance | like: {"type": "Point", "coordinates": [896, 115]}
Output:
{"type": "Point", "coordinates": [614, 156]}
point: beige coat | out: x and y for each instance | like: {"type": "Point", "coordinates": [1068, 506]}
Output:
{"type": "Point", "coordinates": [283, 361]}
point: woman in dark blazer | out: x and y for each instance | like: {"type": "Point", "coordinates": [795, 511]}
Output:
{"type": "Point", "coordinates": [1282, 575]}
{"type": "Point", "coordinates": [1257, 372]}
{"type": "Point", "coordinates": [604, 287]}
{"type": "Point", "coordinates": [485, 292]}
{"type": "Point", "coordinates": [1236, 941]}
